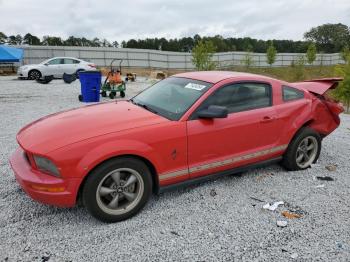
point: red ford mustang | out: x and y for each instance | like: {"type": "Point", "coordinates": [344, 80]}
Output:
{"type": "Point", "coordinates": [182, 130]}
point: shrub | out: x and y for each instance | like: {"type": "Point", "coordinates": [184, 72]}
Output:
{"type": "Point", "coordinates": [311, 53]}
{"type": "Point", "coordinates": [202, 55]}
{"type": "Point", "coordinates": [342, 92]}
{"type": "Point", "coordinates": [271, 54]}
{"type": "Point", "coordinates": [247, 60]}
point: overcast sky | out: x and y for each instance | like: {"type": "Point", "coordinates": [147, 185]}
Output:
{"type": "Point", "coordinates": [123, 20]}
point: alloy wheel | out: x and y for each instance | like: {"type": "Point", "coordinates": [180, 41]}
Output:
{"type": "Point", "coordinates": [306, 152]}
{"type": "Point", "coordinates": [34, 75]}
{"type": "Point", "coordinates": [120, 191]}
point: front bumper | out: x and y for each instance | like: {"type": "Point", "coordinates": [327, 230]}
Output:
{"type": "Point", "coordinates": [21, 73]}
{"type": "Point", "coordinates": [37, 184]}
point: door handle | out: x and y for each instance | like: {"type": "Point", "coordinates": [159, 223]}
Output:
{"type": "Point", "coordinates": [267, 119]}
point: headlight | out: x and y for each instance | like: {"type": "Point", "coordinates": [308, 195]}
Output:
{"type": "Point", "coordinates": [46, 165]}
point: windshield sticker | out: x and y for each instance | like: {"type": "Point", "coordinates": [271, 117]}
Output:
{"type": "Point", "coordinates": [194, 86]}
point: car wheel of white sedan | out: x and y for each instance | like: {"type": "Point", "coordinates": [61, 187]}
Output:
{"type": "Point", "coordinates": [303, 151]}
{"type": "Point", "coordinates": [34, 74]}
{"type": "Point", "coordinates": [117, 189]}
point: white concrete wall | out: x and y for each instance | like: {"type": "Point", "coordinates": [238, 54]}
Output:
{"type": "Point", "coordinates": [144, 58]}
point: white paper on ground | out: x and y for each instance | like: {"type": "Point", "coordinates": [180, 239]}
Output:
{"type": "Point", "coordinates": [274, 206]}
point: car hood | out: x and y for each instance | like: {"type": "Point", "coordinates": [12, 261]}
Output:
{"type": "Point", "coordinates": [64, 128]}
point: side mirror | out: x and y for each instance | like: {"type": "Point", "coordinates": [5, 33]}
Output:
{"type": "Point", "coordinates": [213, 112]}
{"type": "Point", "coordinates": [46, 64]}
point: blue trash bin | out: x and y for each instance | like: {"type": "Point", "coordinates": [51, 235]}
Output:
{"type": "Point", "coordinates": [90, 82]}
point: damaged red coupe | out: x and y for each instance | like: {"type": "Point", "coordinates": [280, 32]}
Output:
{"type": "Point", "coordinates": [182, 130]}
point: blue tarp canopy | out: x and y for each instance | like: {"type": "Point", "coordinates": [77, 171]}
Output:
{"type": "Point", "coordinates": [10, 54]}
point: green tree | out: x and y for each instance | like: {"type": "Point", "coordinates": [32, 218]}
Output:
{"type": "Point", "coordinates": [329, 37]}
{"type": "Point", "coordinates": [342, 92]}
{"type": "Point", "coordinates": [271, 54]}
{"type": "Point", "coordinates": [96, 42]}
{"type": "Point", "coordinates": [52, 41]}
{"type": "Point", "coordinates": [19, 39]}
{"type": "Point", "coordinates": [30, 39]}
{"type": "Point", "coordinates": [85, 42]}
{"type": "Point", "coordinates": [11, 40]}
{"type": "Point", "coordinates": [3, 38]}
{"type": "Point", "coordinates": [115, 44]}
{"type": "Point", "coordinates": [311, 53]}
{"type": "Point", "coordinates": [106, 43]}
{"type": "Point", "coordinates": [248, 60]}
{"type": "Point", "coordinates": [72, 41]}
{"type": "Point", "coordinates": [299, 68]}
{"type": "Point", "coordinates": [345, 53]}
{"type": "Point", "coordinates": [202, 55]}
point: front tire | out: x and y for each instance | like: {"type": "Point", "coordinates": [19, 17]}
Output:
{"type": "Point", "coordinates": [34, 74]}
{"type": "Point", "coordinates": [117, 190]}
{"type": "Point", "coordinates": [303, 151]}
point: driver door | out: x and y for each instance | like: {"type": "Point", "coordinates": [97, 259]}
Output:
{"type": "Point", "coordinates": [54, 67]}
{"type": "Point", "coordinates": [218, 144]}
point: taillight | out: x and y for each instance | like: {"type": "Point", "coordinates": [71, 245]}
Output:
{"type": "Point", "coordinates": [335, 108]}
{"type": "Point", "coordinates": [92, 65]}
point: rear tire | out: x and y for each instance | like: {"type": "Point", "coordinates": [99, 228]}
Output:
{"type": "Point", "coordinates": [117, 189]}
{"type": "Point", "coordinates": [303, 150]}
{"type": "Point", "coordinates": [77, 73]}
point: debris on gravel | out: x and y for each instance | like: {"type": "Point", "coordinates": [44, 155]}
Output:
{"type": "Point", "coordinates": [213, 192]}
{"type": "Point", "coordinates": [264, 176]}
{"type": "Point", "coordinates": [231, 226]}
{"type": "Point", "coordinates": [281, 223]}
{"type": "Point", "coordinates": [274, 206]}
{"type": "Point", "coordinates": [320, 186]}
{"type": "Point", "coordinates": [331, 168]}
{"type": "Point", "coordinates": [325, 178]}
{"type": "Point", "coordinates": [290, 215]}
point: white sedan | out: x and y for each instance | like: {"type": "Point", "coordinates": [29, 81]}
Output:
{"type": "Point", "coordinates": [56, 66]}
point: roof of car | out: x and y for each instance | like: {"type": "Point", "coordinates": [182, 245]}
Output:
{"type": "Point", "coordinates": [62, 57]}
{"type": "Point", "coordinates": [217, 76]}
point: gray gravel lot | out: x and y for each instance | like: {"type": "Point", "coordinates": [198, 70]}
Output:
{"type": "Point", "coordinates": [214, 221]}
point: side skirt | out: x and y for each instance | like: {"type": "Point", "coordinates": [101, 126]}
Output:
{"type": "Point", "coordinates": [217, 175]}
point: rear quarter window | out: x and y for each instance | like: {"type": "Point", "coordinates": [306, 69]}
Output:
{"type": "Point", "coordinates": [291, 93]}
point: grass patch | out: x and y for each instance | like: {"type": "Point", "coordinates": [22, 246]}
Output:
{"type": "Point", "coordinates": [290, 73]}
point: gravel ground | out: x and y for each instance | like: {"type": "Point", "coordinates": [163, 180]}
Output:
{"type": "Point", "coordinates": [219, 220]}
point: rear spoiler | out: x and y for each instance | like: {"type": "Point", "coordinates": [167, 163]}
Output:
{"type": "Point", "coordinates": [319, 86]}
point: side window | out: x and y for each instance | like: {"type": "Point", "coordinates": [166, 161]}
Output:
{"type": "Point", "coordinates": [240, 97]}
{"type": "Point", "coordinates": [55, 61]}
{"type": "Point", "coordinates": [290, 93]}
{"type": "Point", "coordinates": [68, 61]}
{"type": "Point", "coordinates": [76, 61]}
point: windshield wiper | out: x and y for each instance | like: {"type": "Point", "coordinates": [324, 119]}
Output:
{"type": "Point", "coordinates": [143, 106]}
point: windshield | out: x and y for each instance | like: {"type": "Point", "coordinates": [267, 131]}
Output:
{"type": "Point", "coordinates": [45, 61]}
{"type": "Point", "coordinates": [172, 97]}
